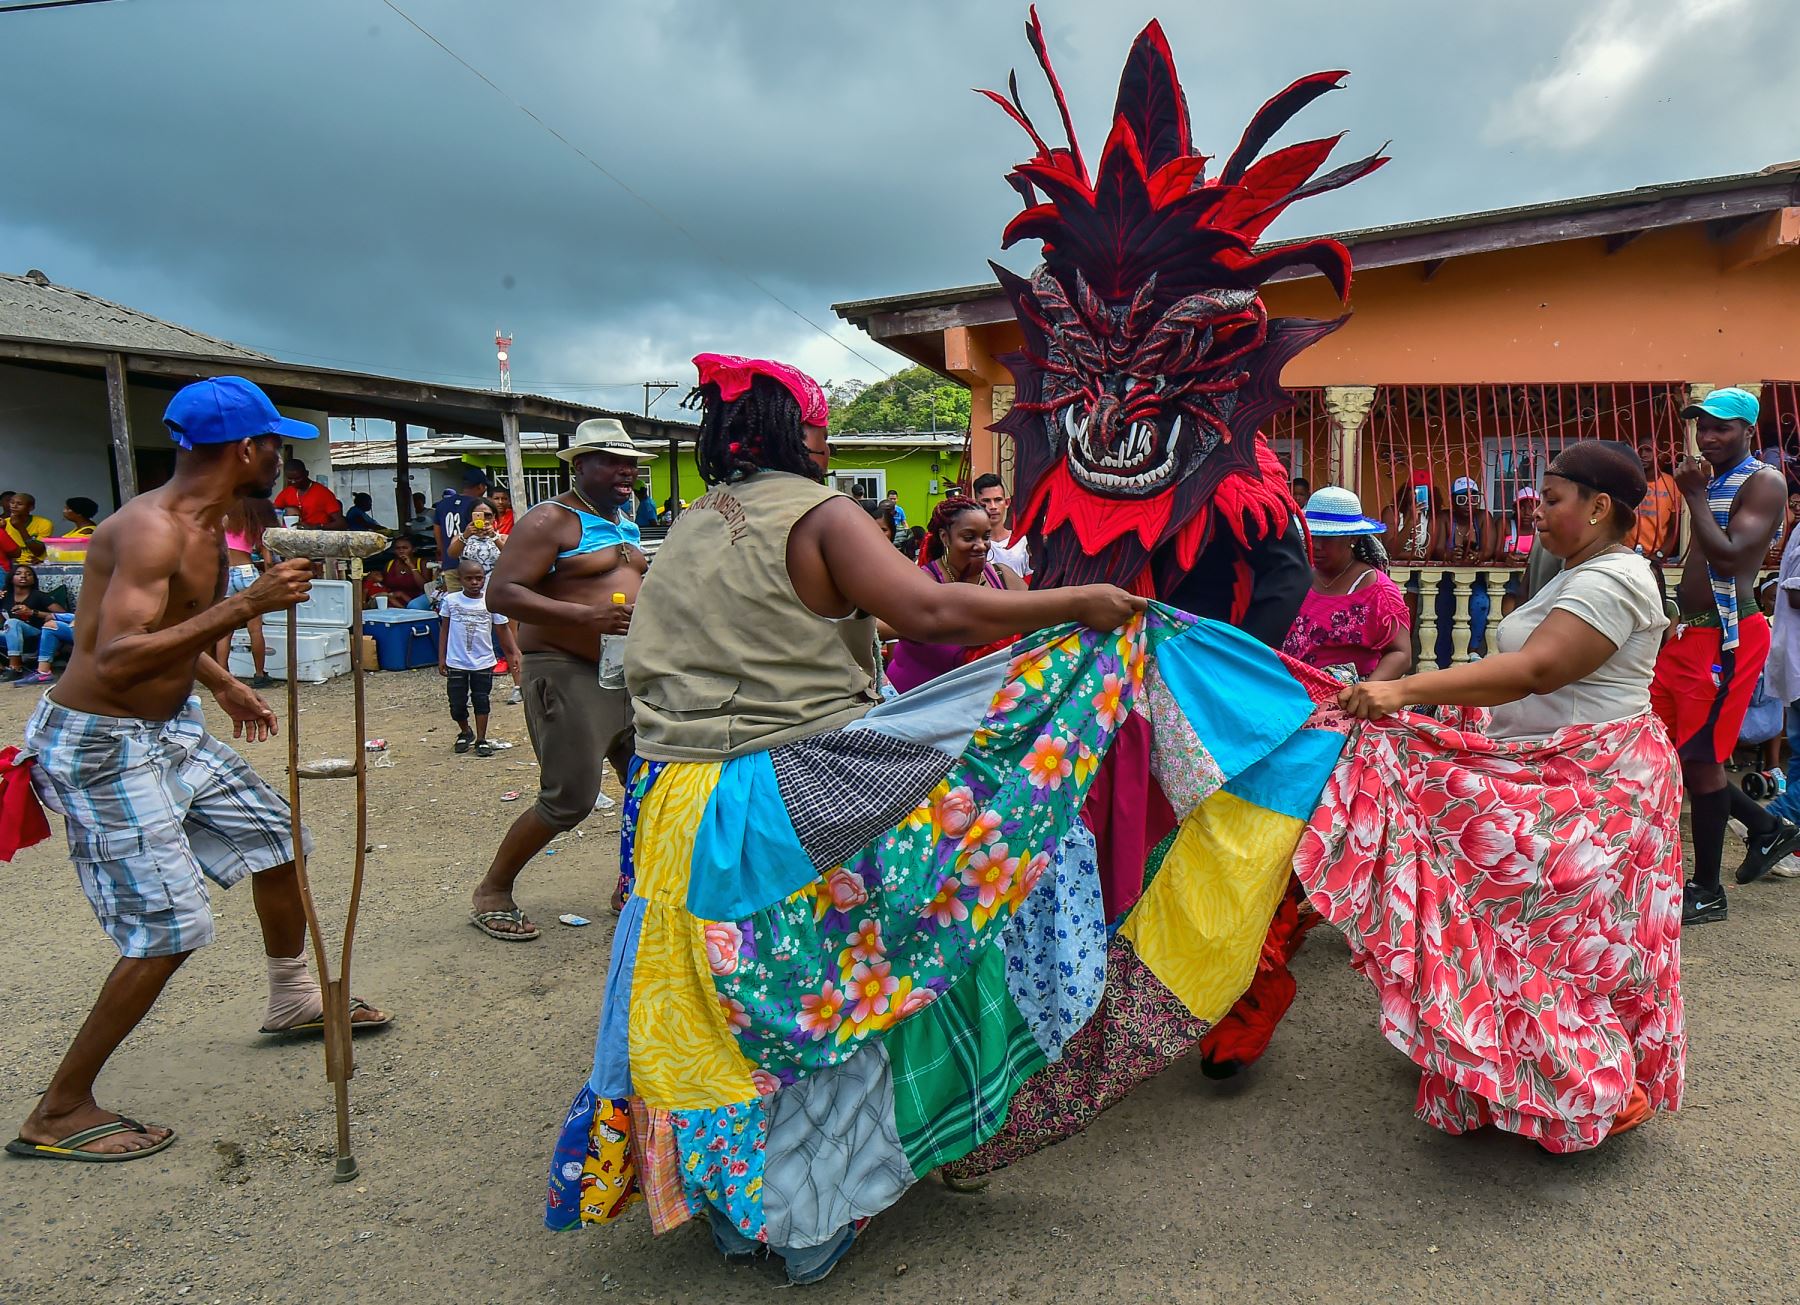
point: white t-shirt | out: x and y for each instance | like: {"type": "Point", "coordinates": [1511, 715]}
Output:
{"type": "Point", "coordinates": [1615, 593]}
{"type": "Point", "coordinates": [470, 645]}
{"type": "Point", "coordinates": [1016, 554]}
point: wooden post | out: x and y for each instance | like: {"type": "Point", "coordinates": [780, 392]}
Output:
{"type": "Point", "coordinates": [562, 466]}
{"type": "Point", "coordinates": [119, 414]}
{"type": "Point", "coordinates": [515, 459]}
{"type": "Point", "coordinates": [674, 477]}
{"type": "Point", "coordinates": [402, 477]}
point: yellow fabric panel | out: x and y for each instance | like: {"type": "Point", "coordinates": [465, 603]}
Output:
{"type": "Point", "coordinates": [683, 1056]}
{"type": "Point", "coordinates": [1200, 927]}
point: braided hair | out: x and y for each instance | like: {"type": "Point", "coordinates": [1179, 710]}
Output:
{"type": "Point", "coordinates": [941, 517]}
{"type": "Point", "coordinates": [760, 430]}
{"type": "Point", "coordinates": [1368, 550]}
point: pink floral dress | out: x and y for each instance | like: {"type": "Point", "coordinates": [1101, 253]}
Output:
{"type": "Point", "coordinates": [1348, 629]}
{"type": "Point", "coordinates": [1517, 906]}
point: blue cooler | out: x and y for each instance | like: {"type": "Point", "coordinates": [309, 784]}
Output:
{"type": "Point", "coordinates": [404, 638]}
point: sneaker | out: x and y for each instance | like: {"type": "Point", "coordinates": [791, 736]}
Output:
{"type": "Point", "coordinates": [263, 681]}
{"type": "Point", "coordinates": [1700, 905]}
{"type": "Point", "coordinates": [518, 696]}
{"type": "Point", "coordinates": [1788, 869]}
{"type": "Point", "coordinates": [8, 673]}
{"type": "Point", "coordinates": [1768, 851]}
{"type": "Point", "coordinates": [34, 679]}
{"type": "Point", "coordinates": [484, 749]}
{"type": "Point", "coordinates": [463, 740]}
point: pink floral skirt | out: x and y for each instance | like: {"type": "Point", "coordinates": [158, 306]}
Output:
{"type": "Point", "coordinates": [1518, 908]}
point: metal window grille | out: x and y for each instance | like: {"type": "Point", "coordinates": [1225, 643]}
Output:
{"type": "Point", "coordinates": [540, 484]}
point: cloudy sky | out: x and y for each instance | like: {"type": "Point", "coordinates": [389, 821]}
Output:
{"type": "Point", "coordinates": [317, 179]}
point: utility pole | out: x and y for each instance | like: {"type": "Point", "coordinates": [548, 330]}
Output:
{"type": "Point", "coordinates": [502, 346]}
{"type": "Point", "coordinates": [661, 388]}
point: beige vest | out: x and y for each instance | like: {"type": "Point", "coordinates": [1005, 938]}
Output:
{"type": "Point", "coordinates": [723, 658]}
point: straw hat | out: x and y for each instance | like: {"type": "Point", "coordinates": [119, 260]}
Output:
{"type": "Point", "coordinates": [603, 435]}
{"type": "Point", "coordinates": [1334, 511]}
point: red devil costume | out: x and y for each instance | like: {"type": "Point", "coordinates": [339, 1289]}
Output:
{"type": "Point", "coordinates": [1149, 366]}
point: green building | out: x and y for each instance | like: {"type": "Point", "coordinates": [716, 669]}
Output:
{"type": "Point", "coordinates": [921, 466]}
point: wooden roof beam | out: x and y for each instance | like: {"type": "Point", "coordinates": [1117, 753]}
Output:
{"type": "Point", "coordinates": [1619, 239]}
{"type": "Point", "coordinates": [1761, 239]}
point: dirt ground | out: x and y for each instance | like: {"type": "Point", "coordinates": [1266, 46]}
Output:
{"type": "Point", "coordinates": [1306, 1180]}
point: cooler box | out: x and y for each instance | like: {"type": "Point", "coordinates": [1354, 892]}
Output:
{"type": "Point", "coordinates": [329, 604]}
{"type": "Point", "coordinates": [321, 653]}
{"type": "Point", "coordinates": [404, 638]}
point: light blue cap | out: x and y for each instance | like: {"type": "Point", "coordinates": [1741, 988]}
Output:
{"type": "Point", "coordinates": [1728, 404]}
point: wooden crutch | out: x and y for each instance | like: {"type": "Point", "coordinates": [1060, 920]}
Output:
{"type": "Point", "coordinates": [319, 546]}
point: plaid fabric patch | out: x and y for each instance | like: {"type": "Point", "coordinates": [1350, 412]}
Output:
{"type": "Point", "coordinates": [847, 787]}
{"type": "Point", "coordinates": [957, 1064]}
{"type": "Point", "coordinates": [150, 808]}
{"type": "Point", "coordinates": [658, 1166]}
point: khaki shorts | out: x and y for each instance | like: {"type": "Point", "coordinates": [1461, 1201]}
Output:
{"type": "Point", "coordinates": [575, 725]}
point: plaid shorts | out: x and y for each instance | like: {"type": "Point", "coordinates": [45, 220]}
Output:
{"type": "Point", "coordinates": [154, 808]}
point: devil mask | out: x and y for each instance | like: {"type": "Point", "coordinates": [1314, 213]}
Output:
{"type": "Point", "coordinates": [1149, 360]}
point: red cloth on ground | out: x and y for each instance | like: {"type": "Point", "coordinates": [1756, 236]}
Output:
{"type": "Point", "coordinates": [22, 821]}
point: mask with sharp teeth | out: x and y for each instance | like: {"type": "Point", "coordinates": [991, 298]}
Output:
{"type": "Point", "coordinates": [1149, 361]}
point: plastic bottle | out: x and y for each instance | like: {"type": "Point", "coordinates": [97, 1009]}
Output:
{"type": "Point", "coordinates": [1717, 671]}
{"type": "Point", "coordinates": [612, 655]}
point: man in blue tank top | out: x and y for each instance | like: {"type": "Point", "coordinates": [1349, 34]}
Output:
{"type": "Point", "coordinates": [557, 579]}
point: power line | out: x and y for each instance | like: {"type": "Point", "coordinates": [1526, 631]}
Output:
{"type": "Point", "coordinates": [48, 4]}
{"type": "Point", "coordinates": [621, 183]}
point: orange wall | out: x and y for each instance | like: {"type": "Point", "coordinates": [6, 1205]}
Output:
{"type": "Point", "coordinates": [1661, 309]}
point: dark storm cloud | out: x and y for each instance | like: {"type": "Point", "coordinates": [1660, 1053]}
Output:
{"type": "Point", "coordinates": [318, 180]}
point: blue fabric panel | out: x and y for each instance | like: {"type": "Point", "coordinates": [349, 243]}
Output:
{"type": "Point", "coordinates": [1290, 779]}
{"type": "Point", "coordinates": [612, 1059]}
{"type": "Point", "coordinates": [1056, 946]}
{"type": "Point", "coordinates": [720, 1152]}
{"type": "Point", "coordinates": [1235, 692]}
{"type": "Point", "coordinates": [562, 1209]}
{"type": "Point", "coordinates": [833, 1153]}
{"type": "Point", "coordinates": [746, 854]}
{"type": "Point", "coordinates": [944, 712]}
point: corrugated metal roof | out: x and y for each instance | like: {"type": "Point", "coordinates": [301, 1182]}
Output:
{"type": "Point", "coordinates": [35, 307]}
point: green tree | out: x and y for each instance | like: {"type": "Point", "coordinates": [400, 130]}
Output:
{"type": "Point", "coordinates": [915, 399]}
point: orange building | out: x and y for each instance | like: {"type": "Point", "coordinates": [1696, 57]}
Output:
{"type": "Point", "coordinates": [1478, 345]}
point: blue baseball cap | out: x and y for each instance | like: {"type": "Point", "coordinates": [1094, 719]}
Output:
{"type": "Point", "coordinates": [1728, 404]}
{"type": "Point", "coordinates": [225, 409]}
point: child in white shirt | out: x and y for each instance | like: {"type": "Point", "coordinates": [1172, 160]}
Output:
{"type": "Point", "coordinates": [466, 654]}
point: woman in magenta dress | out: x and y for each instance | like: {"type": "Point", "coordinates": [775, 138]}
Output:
{"type": "Point", "coordinates": [955, 552]}
{"type": "Point", "coordinates": [1353, 622]}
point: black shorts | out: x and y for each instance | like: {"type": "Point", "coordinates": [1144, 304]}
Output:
{"type": "Point", "coordinates": [466, 687]}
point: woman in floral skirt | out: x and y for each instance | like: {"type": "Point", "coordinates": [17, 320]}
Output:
{"type": "Point", "coordinates": [1513, 891]}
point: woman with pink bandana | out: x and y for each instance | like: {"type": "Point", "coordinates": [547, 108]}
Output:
{"type": "Point", "coordinates": [1514, 892]}
{"type": "Point", "coordinates": [758, 939]}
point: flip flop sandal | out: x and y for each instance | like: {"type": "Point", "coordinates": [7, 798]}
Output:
{"type": "Point", "coordinates": [318, 1025]}
{"type": "Point", "coordinates": [484, 920]}
{"type": "Point", "coordinates": [69, 1147]}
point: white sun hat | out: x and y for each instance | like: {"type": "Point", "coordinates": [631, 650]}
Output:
{"type": "Point", "coordinates": [1335, 511]}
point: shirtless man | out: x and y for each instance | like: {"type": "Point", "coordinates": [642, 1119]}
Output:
{"type": "Point", "coordinates": [556, 578]}
{"type": "Point", "coordinates": [151, 801]}
{"type": "Point", "coordinates": [1708, 670]}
